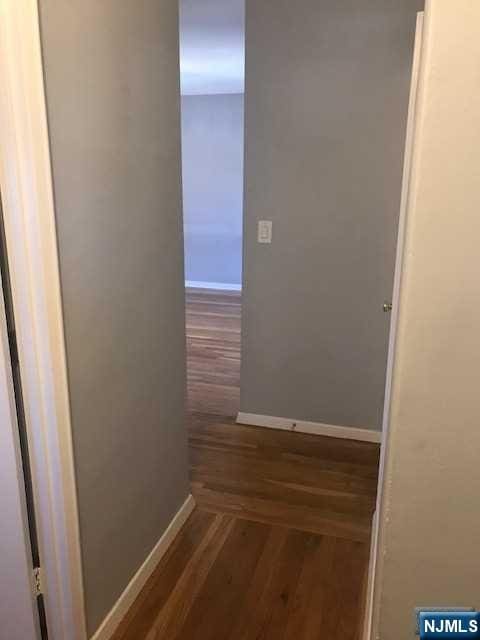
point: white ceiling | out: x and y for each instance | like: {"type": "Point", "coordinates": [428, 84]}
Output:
{"type": "Point", "coordinates": [212, 46]}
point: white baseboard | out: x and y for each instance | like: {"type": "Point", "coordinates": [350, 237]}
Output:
{"type": "Point", "coordinates": [217, 286]}
{"type": "Point", "coordinates": [136, 584]}
{"type": "Point", "coordinates": [303, 426]}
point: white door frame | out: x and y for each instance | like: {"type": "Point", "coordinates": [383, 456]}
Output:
{"type": "Point", "coordinates": [28, 207]}
{"type": "Point", "coordinates": [18, 610]}
{"type": "Point", "coordinates": [375, 566]}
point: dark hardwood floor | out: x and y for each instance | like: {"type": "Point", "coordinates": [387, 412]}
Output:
{"type": "Point", "coordinates": [277, 547]}
{"type": "Point", "coordinates": [213, 351]}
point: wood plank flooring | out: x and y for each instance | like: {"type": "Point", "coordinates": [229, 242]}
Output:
{"type": "Point", "coordinates": [320, 485]}
{"type": "Point", "coordinates": [213, 321]}
{"type": "Point", "coordinates": [277, 547]}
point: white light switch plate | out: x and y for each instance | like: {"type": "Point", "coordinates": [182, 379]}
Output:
{"type": "Point", "coordinates": [265, 231]}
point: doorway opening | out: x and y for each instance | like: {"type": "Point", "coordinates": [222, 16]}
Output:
{"type": "Point", "coordinates": [212, 50]}
{"type": "Point", "coordinates": [288, 487]}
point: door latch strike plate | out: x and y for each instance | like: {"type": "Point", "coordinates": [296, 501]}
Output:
{"type": "Point", "coordinates": [37, 582]}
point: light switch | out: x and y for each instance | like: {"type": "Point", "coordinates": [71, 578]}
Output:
{"type": "Point", "coordinates": [265, 231]}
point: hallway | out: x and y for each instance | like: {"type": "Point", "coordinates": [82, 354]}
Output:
{"type": "Point", "coordinates": [277, 546]}
{"type": "Point", "coordinates": [321, 157]}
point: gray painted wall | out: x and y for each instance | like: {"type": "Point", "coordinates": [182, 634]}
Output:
{"type": "Point", "coordinates": [430, 521]}
{"type": "Point", "coordinates": [212, 161]}
{"type": "Point", "coordinates": [327, 87]}
{"type": "Point", "coordinates": [212, 46]}
{"type": "Point", "coordinates": [112, 85]}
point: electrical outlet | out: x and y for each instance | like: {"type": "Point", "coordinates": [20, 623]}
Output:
{"type": "Point", "coordinates": [265, 231]}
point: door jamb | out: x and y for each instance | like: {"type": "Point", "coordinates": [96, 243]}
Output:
{"type": "Point", "coordinates": [29, 218]}
{"type": "Point", "coordinates": [18, 608]}
{"type": "Point", "coordinates": [375, 566]}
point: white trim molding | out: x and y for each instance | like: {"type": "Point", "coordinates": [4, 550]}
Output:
{"type": "Point", "coordinates": [29, 216]}
{"type": "Point", "coordinates": [18, 608]}
{"type": "Point", "coordinates": [376, 557]}
{"type": "Point", "coordinates": [136, 584]}
{"type": "Point", "coordinates": [215, 286]}
{"type": "Point", "coordinates": [315, 428]}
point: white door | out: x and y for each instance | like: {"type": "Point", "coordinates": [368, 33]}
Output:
{"type": "Point", "coordinates": [367, 630]}
{"type": "Point", "coordinates": [18, 608]}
